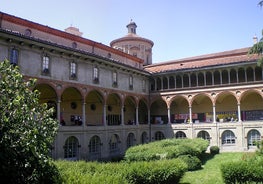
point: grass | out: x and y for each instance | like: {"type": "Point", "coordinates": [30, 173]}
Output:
{"type": "Point", "coordinates": [211, 170]}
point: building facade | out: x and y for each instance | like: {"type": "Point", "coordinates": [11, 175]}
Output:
{"type": "Point", "coordinates": [110, 98]}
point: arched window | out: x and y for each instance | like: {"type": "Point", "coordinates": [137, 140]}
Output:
{"type": "Point", "coordinates": [241, 75]}
{"type": "Point", "coordinates": [171, 82]}
{"type": "Point", "coordinates": [225, 77]}
{"type": "Point", "coordinates": [130, 140]}
{"type": "Point", "coordinates": [178, 81]}
{"type": "Point", "coordinates": [233, 76]}
{"type": "Point", "coordinates": [165, 83]}
{"type": "Point", "coordinates": [186, 80]}
{"type": "Point", "coordinates": [204, 135]}
{"type": "Point", "coordinates": [159, 136]}
{"type": "Point", "coordinates": [258, 73]}
{"type": "Point", "coordinates": [14, 56]}
{"type": "Point", "coordinates": [159, 84]}
{"type": "Point", "coordinates": [180, 135]}
{"type": "Point", "coordinates": [228, 137]}
{"type": "Point", "coordinates": [95, 144]}
{"type": "Point", "coordinates": [201, 80]}
{"type": "Point", "coordinates": [71, 148]}
{"type": "Point", "coordinates": [144, 138]}
{"type": "Point", "coordinates": [217, 78]}
{"type": "Point", "coordinates": [253, 137]}
{"type": "Point", "coordinates": [208, 77]}
{"type": "Point", "coordinates": [250, 74]}
{"type": "Point", "coordinates": [193, 80]}
{"type": "Point", "coordinates": [114, 143]}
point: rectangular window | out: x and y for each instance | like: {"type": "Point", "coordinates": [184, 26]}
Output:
{"type": "Point", "coordinates": [45, 64]}
{"type": "Point", "coordinates": [114, 79]}
{"type": "Point", "coordinates": [131, 82]}
{"type": "Point", "coordinates": [73, 70]}
{"type": "Point", "coordinates": [95, 74]}
{"type": "Point", "coordinates": [14, 56]}
{"type": "Point", "coordinates": [143, 85]}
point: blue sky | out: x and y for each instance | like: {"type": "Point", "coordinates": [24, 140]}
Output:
{"type": "Point", "coordinates": [178, 28]}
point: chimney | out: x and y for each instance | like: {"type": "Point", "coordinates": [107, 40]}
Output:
{"type": "Point", "coordinates": [255, 39]}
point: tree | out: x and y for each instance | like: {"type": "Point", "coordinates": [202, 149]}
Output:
{"type": "Point", "coordinates": [26, 131]}
{"type": "Point", "coordinates": [257, 48]}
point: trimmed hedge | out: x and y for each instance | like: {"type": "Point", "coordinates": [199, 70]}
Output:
{"type": "Point", "coordinates": [164, 171]}
{"type": "Point", "coordinates": [244, 171]}
{"type": "Point", "coordinates": [166, 149]}
{"type": "Point", "coordinates": [214, 150]}
{"type": "Point", "coordinates": [189, 150]}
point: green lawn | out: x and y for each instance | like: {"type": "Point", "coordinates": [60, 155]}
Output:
{"type": "Point", "coordinates": [210, 174]}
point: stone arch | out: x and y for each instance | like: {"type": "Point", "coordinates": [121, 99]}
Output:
{"type": "Point", "coordinates": [202, 108]}
{"type": "Point", "coordinates": [179, 109]}
{"type": "Point", "coordinates": [226, 106]}
{"type": "Point", "coordinates": [114, 105]}
{"type": "Point", "coordinates": [158, 111]}
{"type": "Point", "coordinates": [71, 106]}
{"type": "Point", "coordinates": [129, 110]}
{"type": "Point", "coordinates": [251, 111]}
{"type": "Point", "coordinates": [143, 111]}
{"type": "Point", "coordinates": [94, 108]}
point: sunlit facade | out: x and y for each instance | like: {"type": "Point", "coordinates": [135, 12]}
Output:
{"type": "Point", "coordinates": [107, 99]}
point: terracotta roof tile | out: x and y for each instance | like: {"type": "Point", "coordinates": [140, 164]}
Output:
{"type": "Point", "coordinates": [221, 58]}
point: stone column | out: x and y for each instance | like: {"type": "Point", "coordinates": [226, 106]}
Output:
{"type": "Point", "coordinates": [58, 110]}
{"type": "Point", "coordinates": [105, 115]}
{"type": "Point", "coordinates": [214, 113]}
{"type": "Point", "coordinates": [190, 114]}
{"type": "Point", "coordinates": [239, 112]}
{"type": "Point", "coordinates": [169, 115]}
{"type": "Point", "coordinates": [84, 114]}
{"type": "Point", "coordinates": [137, 116]}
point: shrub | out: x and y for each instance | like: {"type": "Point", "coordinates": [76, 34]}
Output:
{"type": "Point", "coordinates": [166, 149]}
{"type": "Point", "coordinates": [244, 171]}
{"type": "Point", "coordinates": [156, 172]}
{"type": "Point", "coordinates": [193, 163]}
{"type": "Point", "coordinates": [164, 171]}
{"type": "Point", "coordinates": [214, 150]}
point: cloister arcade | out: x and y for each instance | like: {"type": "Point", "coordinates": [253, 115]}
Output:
{"type": "Point", "coordinates": [97, 110]}
{"type": "Point", "coordinates": [206, 78]}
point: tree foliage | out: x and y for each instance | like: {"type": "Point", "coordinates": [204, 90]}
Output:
{"type": "Point", "coordinates": [26, 131]}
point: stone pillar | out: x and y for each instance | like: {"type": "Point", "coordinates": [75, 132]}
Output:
{"type": "Point", "coordinates": [83, 114]}
{"type": "Point", "coordinates": [214, 113]}
{"type": "Point", "coordinates": [137, 116]}
{"type": "Point", "coordinates": [169, 115]}
{"type": "Point", "coordinates": [58, 111]}
{"type": "Point", "coordinates": [190, 114]}
{"type": "Point", "coordinates": [239, 112]}
{"type": "Point", "coordinates": [105, 115]}
{"type": "Point", "coordinates": [122, 115]}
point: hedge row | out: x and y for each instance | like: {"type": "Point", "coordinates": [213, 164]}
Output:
{"type": "Point", "coordinates": [168, 149]}
{"type": "Point", "coordinates": [244, 171]}
{"type": "Point", "coordinates": [154, 172]}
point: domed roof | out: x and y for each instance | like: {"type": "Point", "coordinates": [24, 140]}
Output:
{"type": "Point", "coordinates": [131, 36]}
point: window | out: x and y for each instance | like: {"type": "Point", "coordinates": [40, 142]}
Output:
{"type": "Point", "coordinates": [159, 136]}
{"type": "Point", "coordinates": [180, 135]}
{"type": "Point", "coordinates": [71, 147]}
{"type": "Point", "coordinates": [131, 82]}
{"type": "Point", "coordinates": [130, 140]}
{"type": "Point", "coordinates": [114, 79]}
{"type": "Point", "coordinates": [204, 135]}
{"type": "Point", "coordinates": [14, 56]}
{"type": "Point", "coordinates": [143, 85]}
{"type": "Point", "coordinates": [94, 146]}
{"type": "Point", "coordinates": [45, 65]}
{"type": "Point", "coordinates": [73, 70]}
{"type": "Point", "coordinates": [253, 137]}
{"type": "Point", "coordinates": [95, 75]}
{"type": "Point", "coordinates": [228, 137]}
{"type": "Point", "coordinates": [113, 143]}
